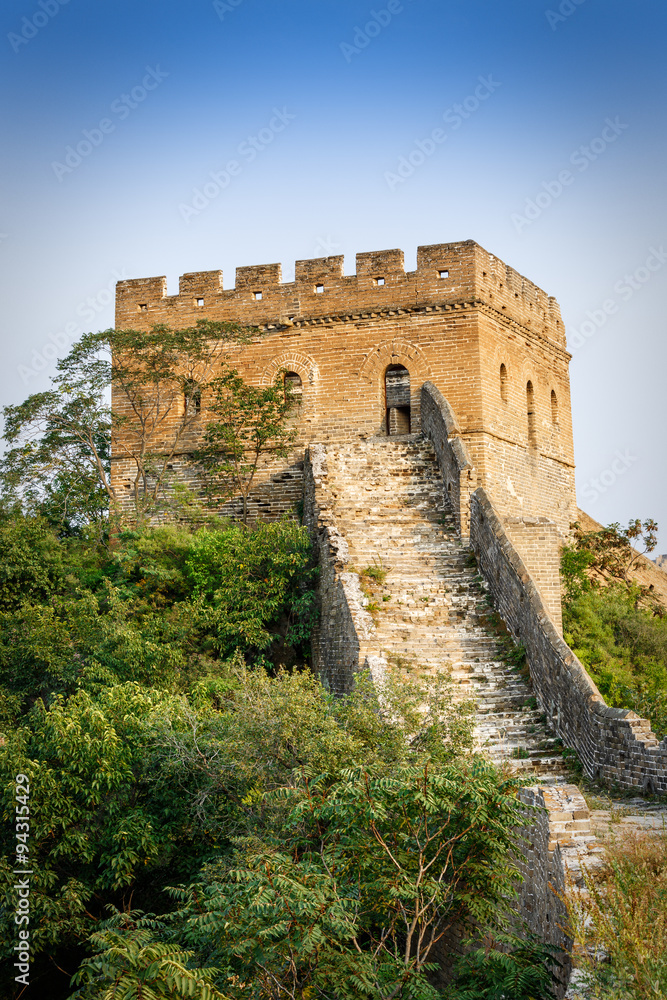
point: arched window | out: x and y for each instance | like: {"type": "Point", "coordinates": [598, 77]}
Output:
{"type": "Point", "coordinates": [192, 396]}
{"type": "Point", "coordinates": [530, 407]}
{"type": "Point", "coordinates": [293, 386]}
{"type": "Point", "coordinates": [397, 399]}
{"type": "Point", "coordinates": [554, 407]}
{"type": "Point", "coordinates": [503, 383]}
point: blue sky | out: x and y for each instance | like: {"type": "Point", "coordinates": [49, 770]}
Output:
{"type": "Point", "coordinates": [182, 89]}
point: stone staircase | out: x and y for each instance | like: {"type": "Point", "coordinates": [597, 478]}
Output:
{"type": "Point", "coordinates": [429, 604]}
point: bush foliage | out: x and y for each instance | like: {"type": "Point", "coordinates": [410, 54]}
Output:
{"type": "Point", "coordinates": [620, 923]}
{"type": "Point", "coordinates": [206, 819]}
{"type": "Point", "coordinates": [616, 627]}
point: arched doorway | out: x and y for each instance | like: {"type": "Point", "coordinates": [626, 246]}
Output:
{"type": "Point", "coordinates": [397, 399]}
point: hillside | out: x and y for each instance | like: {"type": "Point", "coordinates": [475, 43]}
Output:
{"type": "Point", "coordinates": [647, 573]}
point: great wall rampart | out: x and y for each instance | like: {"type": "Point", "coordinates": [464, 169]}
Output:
{"type": "Point", "coordinates": [435, 423]}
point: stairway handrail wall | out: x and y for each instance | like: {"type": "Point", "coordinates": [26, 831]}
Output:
{"type": "Point", "coordinates": [344, 624]}
{"type": "Point", "coordinates": [440, 424]}
{"type": "Point", "coordinates": [614, 745]}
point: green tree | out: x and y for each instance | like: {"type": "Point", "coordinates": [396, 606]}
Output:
{"type": "Point", "coordinates": [249, 581]}
{"type": "Point", "coordinates": [60, 440]}
{"type": "Point", "coordinates": [103, 825]}
{"type": "Point", "coordinates": [616, 626]}
{"type": "Point", "coordinates": [132, 963]}
{"type": "Point", "coordinates": [32, 560]}
{"type": "Point", "coordinates": [521, 972]}
{"type": "Point", "coordinates": [379, 869]}
{"type": "Point", "coordinates": [58, 456]}
{"type": "Point", "coordinates": [612, 551]}
{"type": "Point", "coordinates": [251, 422]}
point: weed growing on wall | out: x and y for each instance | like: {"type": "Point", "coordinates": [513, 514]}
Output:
{"type": "Point", "coordinates": [620, 923]}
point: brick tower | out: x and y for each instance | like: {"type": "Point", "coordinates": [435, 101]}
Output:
{"type": "Point", "coordinates": [358, 348]}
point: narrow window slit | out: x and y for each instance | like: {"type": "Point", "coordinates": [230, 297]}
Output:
{"type": "Point", "coordinates": [530, 407]}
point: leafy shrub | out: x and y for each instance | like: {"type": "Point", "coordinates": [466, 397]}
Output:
{"type": "Point", "coordinates": [249, 580]}
{"type": "Point", "coordinates": [100, 823]}
{"type": "Point", "coordinates": [615, 626]}
{"type": "Point", "coordinates": [351, 894]}
{"type": "Point", "coordinates": [31, 560]}
{"type": "Point", "coordinates": [49, 650]}
{"type": "Point", "coordinates": [523, 972]}
{"type": "Point", "coordinates": [624, 647]}
{"type": "Point", "coordinates": [149, 566]}
{"type": "Point", "coordinates": [134, 789]}
{"type": "Point", "coordinates": [135, 964]}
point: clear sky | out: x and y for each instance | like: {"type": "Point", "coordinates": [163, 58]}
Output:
{"type": "Point", "coordinates": [117, 112]}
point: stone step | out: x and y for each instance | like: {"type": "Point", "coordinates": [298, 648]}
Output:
{"type": "Point", "coordinates": [389, 503]}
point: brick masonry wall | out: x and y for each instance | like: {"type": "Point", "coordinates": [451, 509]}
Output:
{"type": "Point", "coordinates": [277, 490]}
{"type": "Point", "coordinates": [459, 477]}
{"type": "Point", "coordinates": [614, 745]}
{"type": "Point", "coordinates": [537, 543]}
{"type": "Point", "coordinates": [537, 540]}
{"type": "Point", "coordinates": [452, 322]}
{"type": "Point", "coordinates": [554, 850]}
{"type": "Point", "coordinates": [539, 859]}
{"type": "Point", "coordinates": [344, 625]}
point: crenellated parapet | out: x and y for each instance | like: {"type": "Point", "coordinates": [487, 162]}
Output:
{"type": "Point", "coordinates": [446, 274]}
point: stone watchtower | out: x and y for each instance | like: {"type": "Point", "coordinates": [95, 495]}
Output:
{"type": "Point", "coordinates": [358, 349]}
